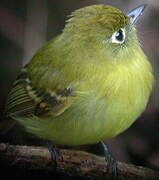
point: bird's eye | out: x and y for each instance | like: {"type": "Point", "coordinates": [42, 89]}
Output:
{"type": "Point", "coordinates": [118, 36]}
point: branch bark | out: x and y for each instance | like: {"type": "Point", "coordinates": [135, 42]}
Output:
{"type": "Point", "coordinates": [73, 163]}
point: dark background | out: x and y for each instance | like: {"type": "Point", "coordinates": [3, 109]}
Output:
{"type": "Point", "coordinates": [26, 25]}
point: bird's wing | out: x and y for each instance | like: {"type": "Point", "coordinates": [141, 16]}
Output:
{"type": "Point", "coordinates": [26, 100]}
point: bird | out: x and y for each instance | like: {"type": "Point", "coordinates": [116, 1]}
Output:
{"type": "Point", "coordinates": [86, 85]}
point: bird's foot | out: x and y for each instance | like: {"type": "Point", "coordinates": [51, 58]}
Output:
{"type": "Point", "coordinates": [113, 168]}
{"type": "Point", "coordinates": [55, 154]}
{"type": "Point", "coordinates": [112, 164]}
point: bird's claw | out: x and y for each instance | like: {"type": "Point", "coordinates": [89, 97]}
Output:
{"type": "Point", "coordinates": [55, 154]}
{"type": "Point", "coordinates": [112, 164]}
{"type": "Point", "coordinates": [112, 167]}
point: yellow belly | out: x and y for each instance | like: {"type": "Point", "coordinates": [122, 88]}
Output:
{"type": "Point", "coordinates": [90, 120]}
{"type": "Point", "coordinates": [99, 113]}
{"type": "Point", "coordinates": [95, 121]}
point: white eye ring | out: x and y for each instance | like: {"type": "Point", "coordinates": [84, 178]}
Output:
{"type": "Point", "coordinates": [119, 36]}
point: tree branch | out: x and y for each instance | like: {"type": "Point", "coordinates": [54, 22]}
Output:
{"type": "Point", "coordinates": [73, 163]}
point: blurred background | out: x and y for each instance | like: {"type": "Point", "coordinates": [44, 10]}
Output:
{"type": "Point", "coordinates": [26, 25]}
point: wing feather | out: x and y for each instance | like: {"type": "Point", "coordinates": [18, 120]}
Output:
{"type": "Point", "coordinates": [25, 100]}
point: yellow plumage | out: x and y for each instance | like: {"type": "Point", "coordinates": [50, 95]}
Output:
{"type": "Point", "coordinates": [84, 86]}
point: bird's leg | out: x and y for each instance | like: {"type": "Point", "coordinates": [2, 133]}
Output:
{"type": "Point", "coordinates": [112, 164]}
{"type": "Point", "coordinates": [55, 154]}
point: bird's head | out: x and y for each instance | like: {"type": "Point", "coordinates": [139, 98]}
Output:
{"type": "Point", "coordinates": [104, 28]}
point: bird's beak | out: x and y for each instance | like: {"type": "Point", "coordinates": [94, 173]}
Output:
{"type": "Point", "coordinates": [136, 13]}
